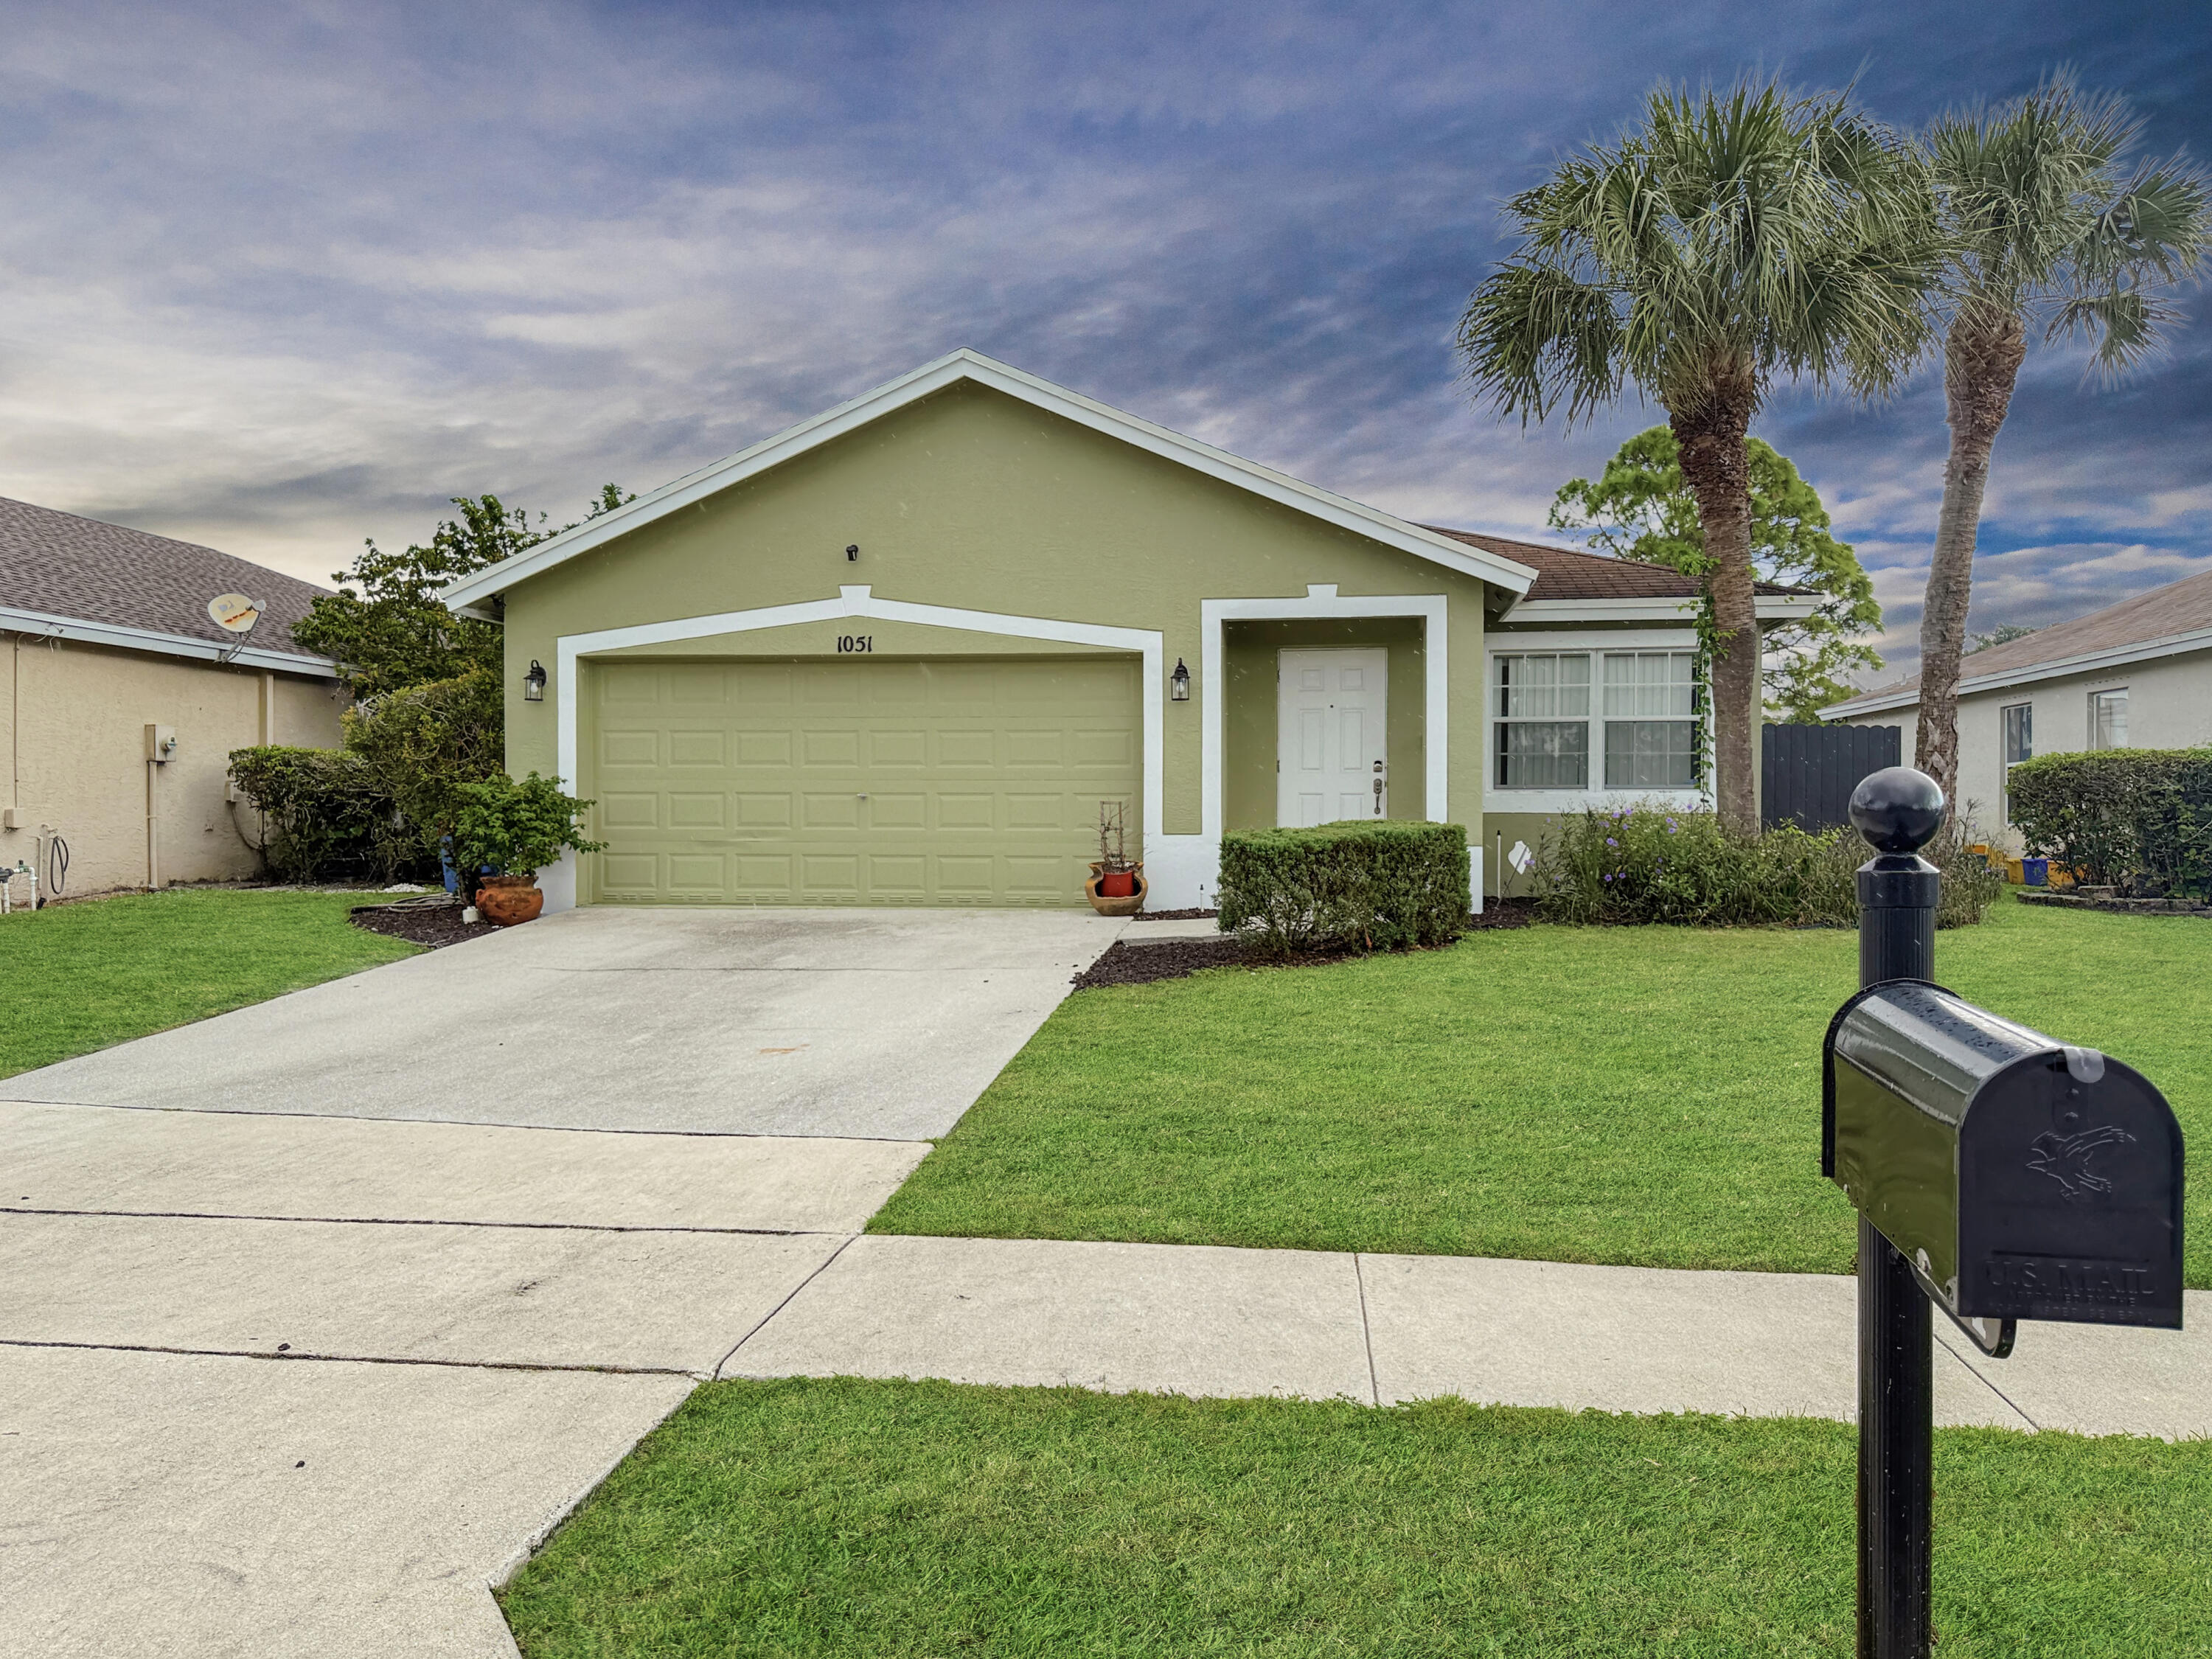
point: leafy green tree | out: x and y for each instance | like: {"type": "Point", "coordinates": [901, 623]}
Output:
{"type": "Point", "coordinates": [1642, 507]}
{"type": "Point", "coordinates": [386, 627]}
{"type": "Point", "coordinates": [1728, 240]}
{"type": "Point", "coordinates": [2046, 223]}
{"type": "Point", "coordinates": [2003, 633]}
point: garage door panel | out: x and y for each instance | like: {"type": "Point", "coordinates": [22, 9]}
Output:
{"type": "Point", "coordinates": [837, 747]}
{"type": "Point", "coordinates": [966, 874]}
{"type": "Point", "coordinates": [709, 748]}
{"type": "Point", "coordinates": [697, 683]}
{"type": "Point", "coordinates": [967, 811]}
{"type": "Point", "coordinates": [968, 747]}
{"type": "Point", "coordinates": [859, 781]}
{"type": "Point", "coordinates": [760, 810]}
{"type": "Point", "coordinates": [898, 811]}
{"type": "Point", "coordinates": [696, 812]}
{"type": "Point", "coordinates": [629, 748]}
{"type": "Point", "coordinates": [698, 873]}
{"type": "Point", "coordinates": [898, 748]}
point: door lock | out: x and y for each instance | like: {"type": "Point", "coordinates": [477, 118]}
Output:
{"type": "Point", "coordinates": [1378, 789]}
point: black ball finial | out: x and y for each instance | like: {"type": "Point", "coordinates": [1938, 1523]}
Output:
{"type": "Point", "coordinates": [1897, 809]}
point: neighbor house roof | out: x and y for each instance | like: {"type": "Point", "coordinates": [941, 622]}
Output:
{"type": "Point", "coordinates": [2166, 621]}
{"type": "Point", "coordinates": [64, 577]}
{"type": "Point", "coordinates": [1467, 558]}
{"type": "Point", "coordinates": [1588, 580]}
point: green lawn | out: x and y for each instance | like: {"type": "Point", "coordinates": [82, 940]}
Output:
{"type": "Point", "coordinates": [1646, 1095]}
{"type": "Point", "coordinates": [888, 1519]}
{"type": "Point", "coordinates": [87, 975]}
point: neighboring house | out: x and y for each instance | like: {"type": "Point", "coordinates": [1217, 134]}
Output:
{"type": "Point", "coordinates": [899, 654]}
{"type": "Point", "coordinates": [106, 633]}
{"type": "Point", "coordinates": [2137, 674]}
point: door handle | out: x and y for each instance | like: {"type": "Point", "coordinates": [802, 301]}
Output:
{"type": "Point", "coordinates": [1378, 789]}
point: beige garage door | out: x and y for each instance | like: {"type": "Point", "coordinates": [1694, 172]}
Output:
{"type": "Point", "coordinates": [859, 780]}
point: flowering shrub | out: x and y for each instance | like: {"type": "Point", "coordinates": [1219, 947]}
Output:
{"type": "Point", "coordinates": [1649, 863]}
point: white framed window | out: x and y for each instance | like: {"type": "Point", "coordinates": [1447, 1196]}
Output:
{"type": "Point", "coordinates": [2108, 719]}
{"type": "Point", "coordinates": [1541, 733]}
{"type": "Point", "coordinates": [1650, 720]}
{"type": "Point", "coordinates": [2019, 732]}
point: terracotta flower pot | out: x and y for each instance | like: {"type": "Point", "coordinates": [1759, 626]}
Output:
{"type": "Point", "coordinates": [1107, 904]}
{"type": "Point", "coordinates": [504, 901]}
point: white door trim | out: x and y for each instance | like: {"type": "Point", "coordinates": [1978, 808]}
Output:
{"type": "Point", "coordinates": [1322, 600]}
{"type": "Point", "coordinates": [861, 602]}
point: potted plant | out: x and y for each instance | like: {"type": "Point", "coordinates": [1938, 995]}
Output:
{"type": "Point", "coordinates": [514, 830]}
{"type": "Point", "coordinates": [1116, 887]}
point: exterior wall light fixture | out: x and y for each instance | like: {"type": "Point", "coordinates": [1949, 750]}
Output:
{"type": "Point", "coordinates": [533, 682]}
{"type": "Point", "coordinates": [1179, 683]}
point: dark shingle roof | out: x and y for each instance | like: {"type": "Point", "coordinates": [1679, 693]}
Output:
{"type": "Point", "coordinates": [1564, 573]}
{"type": "Point", "coordinates": [65, 566]}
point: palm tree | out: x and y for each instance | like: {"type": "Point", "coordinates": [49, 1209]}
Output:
{"type": "Point", "coordinates": [2046, 224]}
{"type": "Point", "coordinates": [1729, 240]}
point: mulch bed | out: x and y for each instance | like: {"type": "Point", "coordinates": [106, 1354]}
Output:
{"type": "Point", "coordinates": [1174, 916]}
{"type": "Point", "coordinates": [436, 923]}
{"type": "Point", "coordinates": [1145, 965]}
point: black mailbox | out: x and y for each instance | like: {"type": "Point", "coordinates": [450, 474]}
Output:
{"type": "Point", "coordinates": [2021, 1177]}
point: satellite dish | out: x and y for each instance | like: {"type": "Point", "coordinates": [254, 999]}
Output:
{"type": "Point", "coordinates": [233, 613]}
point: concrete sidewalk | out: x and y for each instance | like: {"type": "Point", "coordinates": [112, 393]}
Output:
{"type": "Point", "coordinates": [279, 1385]}
{"type": "Point", "coordinates": [1389, 1328]}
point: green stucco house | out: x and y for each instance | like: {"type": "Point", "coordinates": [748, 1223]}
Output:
{"type": "Point", "coordinates": [900, 653]}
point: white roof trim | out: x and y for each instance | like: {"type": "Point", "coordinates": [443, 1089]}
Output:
{"type": "Point", "coordinates": [965, 365]}
{"type": "Point", "coordinates": [45, 626]}
{"type": "Point", "coordinates": [2088, 662]}
{"type": "Point", "coordinates": [1770, 608]}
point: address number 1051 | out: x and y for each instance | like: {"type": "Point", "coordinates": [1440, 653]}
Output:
{"type": "Point", "coordinates": [855, 642]}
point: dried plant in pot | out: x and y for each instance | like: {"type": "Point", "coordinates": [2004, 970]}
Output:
{"type": "Point", "coordinates": [1116, 886]}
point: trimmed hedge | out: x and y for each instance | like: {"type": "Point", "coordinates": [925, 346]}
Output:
{"type": "Point", "coordinates": [1640, 865]}
{"type": "Point", "coordinates": [324, 811]}
{"type": "Point", "coordinates": [1356, 884]}
{"type": "Point", "coordinates": [2137, 817]}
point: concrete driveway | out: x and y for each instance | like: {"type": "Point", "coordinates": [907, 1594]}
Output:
{"type": "Point", "coordinates": [393, 1270]}
{"type": "Point", "coordinates": [872, 1023]}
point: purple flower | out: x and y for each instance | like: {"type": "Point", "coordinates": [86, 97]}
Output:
{"type": "Point", "coordinates": [1610, 841]}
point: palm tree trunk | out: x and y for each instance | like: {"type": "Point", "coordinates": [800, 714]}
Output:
{"type": "Point", "coordinates": [1719, 471]}
{"type": "Point", "coordinates": [1982, 354]}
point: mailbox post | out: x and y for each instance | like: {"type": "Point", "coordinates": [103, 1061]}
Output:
{"type": "Point", "coordinates": [1999, 1174]}
{"type": "Point", "coordinates": [1898, 811]}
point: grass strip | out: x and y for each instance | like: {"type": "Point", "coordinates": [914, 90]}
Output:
{"type": "Point", "coordinates": [1641, 1095]}
{"type": "Point", "coordinates": [848, 1517]}
{"type": "Point", "coordinates": [89, 975]}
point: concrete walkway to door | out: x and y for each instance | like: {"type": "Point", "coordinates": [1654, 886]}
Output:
{"type": "Point", "coordinates": [878, 1024]}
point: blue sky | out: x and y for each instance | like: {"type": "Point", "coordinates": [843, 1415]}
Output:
{"type": "Point", "coordinates": [280, 278]}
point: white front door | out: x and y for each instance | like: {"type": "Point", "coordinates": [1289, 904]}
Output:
{"type": "Point", "coordinates": [1329, 737]}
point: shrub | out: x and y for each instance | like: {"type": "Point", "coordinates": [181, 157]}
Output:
{"type": "Point", "coordinates": [1357, 885]}
{"type": "Point", "coordinates": [2120, 815]}
{"type": "Point", "coordinates": [1647, 864]}
{"type": "Point", "coordinates": [516, 828]}
{"type": "Point", "coordinates": [324, 813]}
{"type": "Point", "coordinates": [424, 746]}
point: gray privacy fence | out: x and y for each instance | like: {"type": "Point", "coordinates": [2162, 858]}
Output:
{"type": "Point", "coordinates": [1807, 773]}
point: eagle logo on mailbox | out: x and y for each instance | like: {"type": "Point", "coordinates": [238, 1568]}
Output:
{"type": "Point", "coordinates": [2062, 1153]}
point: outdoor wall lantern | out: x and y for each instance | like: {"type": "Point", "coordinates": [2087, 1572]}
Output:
{"type": "Point", "coordinates": [1179, 683]}
{"type": "Point", "coordinates": [533, 682]}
